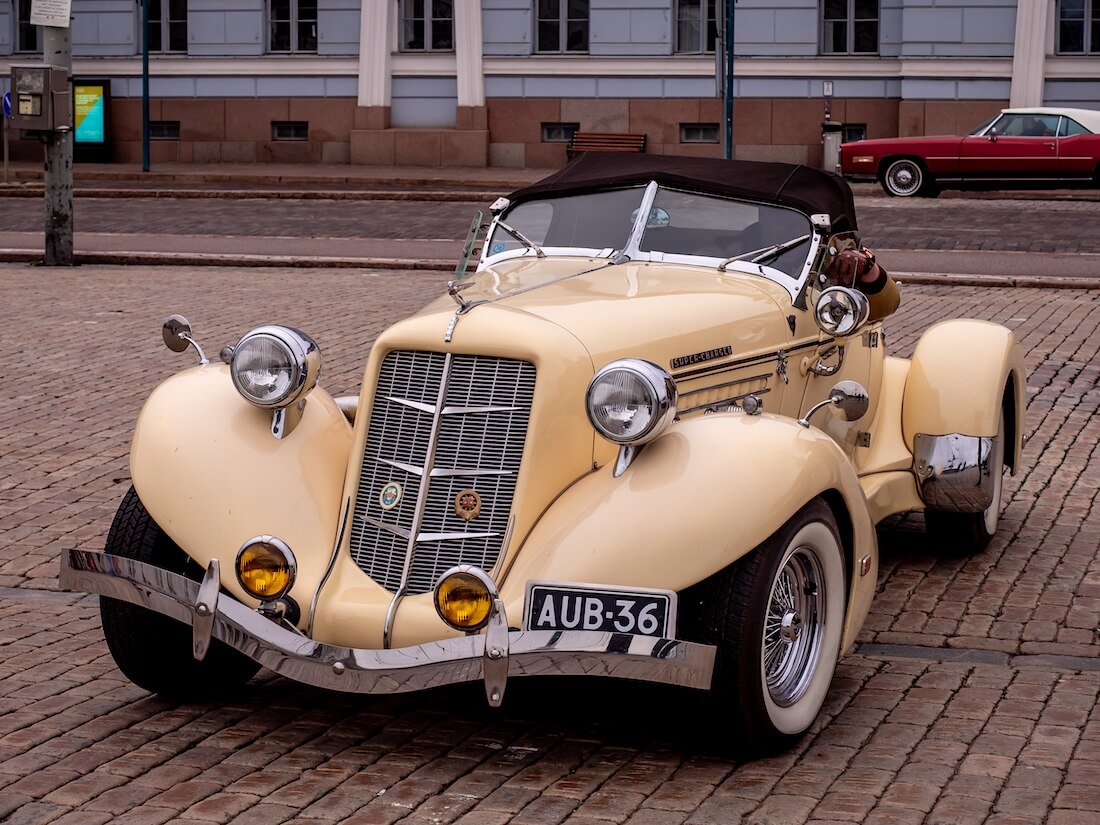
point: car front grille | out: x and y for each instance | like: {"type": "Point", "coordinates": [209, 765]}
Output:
{"type": "Point", "coordinates": [440, 425]}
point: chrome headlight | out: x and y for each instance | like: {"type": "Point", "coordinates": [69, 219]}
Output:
{"type": "Point", "coordinates": [841, 311]}
{"type": "Point", "coordinates": [631, 401]}
{"type": "Point", "coordinates": [274, 366]}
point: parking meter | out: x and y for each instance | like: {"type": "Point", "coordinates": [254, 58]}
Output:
{"type": "Point", "coordinates": [42, 102]}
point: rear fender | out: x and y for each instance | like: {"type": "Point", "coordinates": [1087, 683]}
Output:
{"type": "Point", "coordinates": [961, 374]}
{"type": "Point", "coordinates": [209, 471]}
{"type": "Point", "coordinates": [694, 501]}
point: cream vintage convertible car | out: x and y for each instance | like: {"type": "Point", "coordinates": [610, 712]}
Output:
{"type": "Point", "coordinates": [644, 439]}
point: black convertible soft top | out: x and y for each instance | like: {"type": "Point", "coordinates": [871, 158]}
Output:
{"type": "Point", "coordinates": [801, 187]}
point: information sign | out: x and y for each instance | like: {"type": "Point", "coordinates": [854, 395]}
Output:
{"type": "Point", "coordinates": [89, 113]}
{"type": "Point", "coordinates": [54, 13]}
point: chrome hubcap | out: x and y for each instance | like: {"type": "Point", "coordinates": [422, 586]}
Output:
{"type": "Point", "coordinates": [790, 626]}
{"type": "Point", "coordinates": [794, 627]}
{"type": "Point", "coordinates": [904, 177]}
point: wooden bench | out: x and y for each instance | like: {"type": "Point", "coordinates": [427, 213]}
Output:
{"type": "Point", "coordinates": [605, 142]}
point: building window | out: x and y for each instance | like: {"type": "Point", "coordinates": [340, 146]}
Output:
{"type": "Point", "coordinates": [26, 35]}
{"type": "Point", "coordinates": [698, 133]}
{"type": "Point", "coordinates": [427, 26]}
{"type": "Point", "coordinates": [561, 26]}
{"type": "Point", "coordinates": [1078, 27]}
{"type": "Point", "coordinates": [292, 25]}
{"type": "Point", "coordinates": [854, 131]}
{"type": "Point", "coordinates": [696, 34]}
{"type": "Point", "coordinates": [559, 132]}
{"type": "Point", "coordinates": [167, 25]}
{"type": "Point", "coordinates": [290, 130]}
{"type": "Point", "coordinates": [164, 130]}
{"type": "Point", "coordinates": [849, 27]}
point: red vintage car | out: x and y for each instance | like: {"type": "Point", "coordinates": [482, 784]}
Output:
{"type": "Point", "coordinates": [1019, 147]}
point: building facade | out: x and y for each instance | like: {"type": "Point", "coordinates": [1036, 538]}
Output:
{"type": "Point", "coordinates": [506, 82]}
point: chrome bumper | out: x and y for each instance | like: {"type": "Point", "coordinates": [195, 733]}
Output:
{"type": "Point", "coordinates": [463, 659]}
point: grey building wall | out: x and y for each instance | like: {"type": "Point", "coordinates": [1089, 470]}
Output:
{"type": "Point", "coordinates": [890, 16]}
{"type": "Point", "coordinates": [958, 28]}
{"type": "Point", "coordinates": [777, 28]}
{"type": "Point", "coordinates": [1079, 94]}
{"type": "Point", "coordinates": [338, 27]}
{"type": "Point", "coordinates": [424, 102]}
{"type": "Point", "coordinates": [630, 27]}
{"type": "Point", "coordinates": [581, 86]}
{"type": "Point", "coordinates": [224, 28]}
{"type": "Point", "coordinates": [104, 28]}
{"type": "Point", "coordinates": [7, 29]}
{"type": "Point", "coordinates": [238, 86]}
{"type": "Point", "coordinates": [506, 27]}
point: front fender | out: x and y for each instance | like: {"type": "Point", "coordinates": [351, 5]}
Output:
{"type": "Point", "coordinates": [694, 501]}
{"type": "Point", "coordinates": [209, 471]}
{"type": "Point", "coordinates": [957, 380]}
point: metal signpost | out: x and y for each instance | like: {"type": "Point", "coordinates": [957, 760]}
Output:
{"type": "Point", "coordinates": [53, 16]}
{"type": "Point", "coordinates": [7, 131]}
{"type": "Point", "coordinates": [724, 54]}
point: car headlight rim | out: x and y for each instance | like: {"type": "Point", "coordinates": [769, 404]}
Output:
{"type": "Point", "coordinates": [273, 552]}
{"type": "Point", "coordinates": [841, 311]}
{"type": "Point", "coordinates": [661, 399]}
{"type": "Point", "coordinates": [481, 589]}
{"type": "Point", "coordinates": [301, 359]}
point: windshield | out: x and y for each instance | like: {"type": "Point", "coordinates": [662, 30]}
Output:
{"type": "Point", "coordinates": [680, 226]}
{"type": "Point", "coordinates": [981, 129]}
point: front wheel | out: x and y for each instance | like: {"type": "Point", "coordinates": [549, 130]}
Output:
{"type": "Point", "coordinates": [152, 650]}
{"type": "Point", "coordinates": [776, 617]}
{"type": "Point", "coordinates": [906, 177]}
{"type": "Point", "coordinates": [968, 533]}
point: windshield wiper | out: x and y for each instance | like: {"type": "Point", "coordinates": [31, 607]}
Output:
{"type": "Point", "coordinates": [523, 239]}
{"type": "Point", "coordinates": [765, 253]}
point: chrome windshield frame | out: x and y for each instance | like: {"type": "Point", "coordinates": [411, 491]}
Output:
{"type": "Point", "coordinates": [794, 285]}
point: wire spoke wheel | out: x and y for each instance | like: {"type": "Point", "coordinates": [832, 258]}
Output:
{"type": "Point", "coordinates": [794, 627]}
{"type": "Point", "coordinates": [903, 178]}
{"type": "Point", "coordinates": [776, 617]}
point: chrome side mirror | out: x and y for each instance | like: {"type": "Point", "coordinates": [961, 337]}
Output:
{"type": "Point", "coordinates": [177, 336]}
{"type": "Point", "coordinates": [848, 399]}
{"type": "Point", "coordinates": [841, 311]}
{"type": "Point", "coordinates": [993, 134]}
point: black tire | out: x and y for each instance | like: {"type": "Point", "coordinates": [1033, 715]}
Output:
{"type": "Point", "coordinates": [907, 178]}
{"type": "Point", "coordinates": [154, 651]}
{"type": "Point", "coordinates": [963, 534]}
{"type": "Point", "coordinates": [767, 704]}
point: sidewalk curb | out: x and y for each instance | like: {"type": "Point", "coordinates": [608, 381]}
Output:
{"type": "Point", "coordinates": [258, 261]}
{"type": "Point", "coordinates": [28, 256]}
{"type": "Point", "coordinates": [465, 196]}
{"type": "Point", "coordinates": [993, 281]}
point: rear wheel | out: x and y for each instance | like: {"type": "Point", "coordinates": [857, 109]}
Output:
{"type": "Point", "coordinates": [154, 651]}
{"type": "Point", "coordinates": [776, 617]}
{"type": "Point", "coordinates": [967, 533]}
{"type": "Point", "coordinates": [907, 177]}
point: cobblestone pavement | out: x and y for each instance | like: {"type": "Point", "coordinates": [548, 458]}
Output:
{"type": "Point", "coordinates": [971, 699]}
{"type": "Point", "coordinates": [886, 223]}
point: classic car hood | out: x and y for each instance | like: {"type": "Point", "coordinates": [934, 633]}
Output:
{"type": "Point", "coordinates": [654, 311]}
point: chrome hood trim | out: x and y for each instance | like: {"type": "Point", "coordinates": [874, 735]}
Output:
{"type": "Point", "coordinates": [291, 654]}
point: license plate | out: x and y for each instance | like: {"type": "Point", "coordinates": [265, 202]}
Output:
{"type": "Point", "coordinates": [554, 606]}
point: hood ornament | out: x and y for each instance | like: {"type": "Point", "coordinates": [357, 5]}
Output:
{"type": "Point", "coordinates": [454, 288]}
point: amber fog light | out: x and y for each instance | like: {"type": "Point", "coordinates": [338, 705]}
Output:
{"type": "Point", "coordinates": [265, 567]}
{"type": "Point", "coordinates": [464, 597]}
